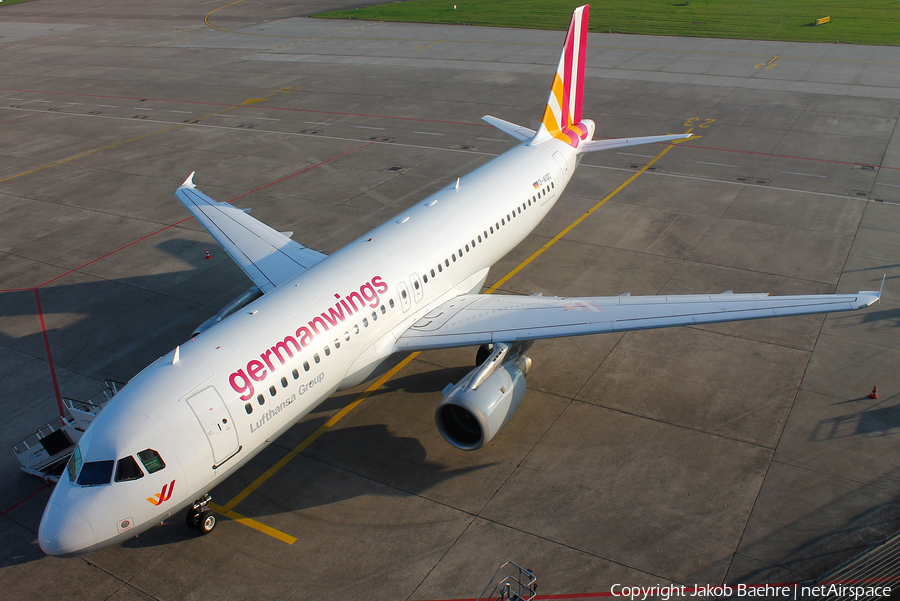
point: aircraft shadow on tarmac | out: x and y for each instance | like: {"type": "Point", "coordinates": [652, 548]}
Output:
{"type": "Point", "coordinates": [848, 525]}
{"type": "Point", "coordinates": [113, 328]}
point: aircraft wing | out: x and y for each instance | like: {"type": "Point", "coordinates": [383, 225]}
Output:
{"type": "Point", "coordinates": [482, 319]}
{"type": "Point", "coordinates": [268, 257]}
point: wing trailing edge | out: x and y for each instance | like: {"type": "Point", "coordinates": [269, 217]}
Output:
{"type": "Point", "coordinates": [268, 257]}
{"type": "Point", "coordinates": [482, 319]}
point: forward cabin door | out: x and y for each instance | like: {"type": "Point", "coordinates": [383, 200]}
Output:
{"type": "Point", "coordinates": [216, 422]}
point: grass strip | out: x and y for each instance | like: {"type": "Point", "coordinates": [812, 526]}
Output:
{"type": "Point", "coordinates": [863, 22]}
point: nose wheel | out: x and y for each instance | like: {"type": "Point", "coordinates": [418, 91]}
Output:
{"type": "Point", "coordinates": [200, 517]}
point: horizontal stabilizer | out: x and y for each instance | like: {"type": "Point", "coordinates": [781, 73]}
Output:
{"type": "Point", "coordinates": [595, 145]}
{"type": "Point", "coordinates": [518, 132]}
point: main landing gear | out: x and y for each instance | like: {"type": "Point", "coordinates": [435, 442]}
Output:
{"type": "Point", "coordinates": [200, 517]}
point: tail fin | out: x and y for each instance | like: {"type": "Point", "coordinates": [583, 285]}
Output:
{"type": "Point", "coordinates": [562, 115]}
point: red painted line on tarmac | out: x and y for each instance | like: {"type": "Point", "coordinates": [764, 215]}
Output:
{"type": "Point", "coordinates": [272, 108]}
{"type": "Point", "coordinates": [114, 252]}
{"type": "Point", "coordinates": [780, 156]}
{"type": "Point", "coordinates": [17, 118]}
{"type": "Point", "coordinates": [59, 403]}
{"type": "Point", "coordinates": [301, 171]}
{"type": "Point", "coordinates": [40, 490]}
{"type": "Point", "coordinates": [160, 230]}
{"type": "Point", "coordinates": [277, 108]}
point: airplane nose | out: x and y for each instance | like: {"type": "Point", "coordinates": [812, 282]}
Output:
{"type": "Point", "coordinates": [64, 533]}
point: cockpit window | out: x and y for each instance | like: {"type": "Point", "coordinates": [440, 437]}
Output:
{"type": "Point", "coordinates": [127, 469]}
{"type": "Point", "coordinates": [74, 464]}
{"type": "Point", "coordinates": [95, 472]}
{"type": "Point", "coordinates": [151, 460]}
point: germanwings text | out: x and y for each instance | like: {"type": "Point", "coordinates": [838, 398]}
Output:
{"type": "Point", "coordinates": [258, 369]}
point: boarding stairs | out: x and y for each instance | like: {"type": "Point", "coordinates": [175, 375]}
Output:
{"type": "Point", "coordinates": [511, 582]}
{"type": "Point", "coordinates": [45, 453]}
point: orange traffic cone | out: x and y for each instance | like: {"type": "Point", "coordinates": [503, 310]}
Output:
{"type": "Point", "coordinates": [874, 393]}
{"type": "Point", "coordinates": [208, 256]}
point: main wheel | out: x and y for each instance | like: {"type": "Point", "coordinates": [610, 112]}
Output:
{"type": "Point", "coordinates": [191, 517]}
{"type": "Point", "coordinates": [206, 521]}
{"type": "Point", "coordinates": [484, 351]}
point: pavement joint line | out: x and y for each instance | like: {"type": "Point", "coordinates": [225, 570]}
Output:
{"type": "Point", "coordinates": [315, 435]}
{"type": "Point", "coordinates": [40, 312]}
{"type": "Point", "coordinates": [391, 373]}
{"type": "Point", "coordinates": [271, 108]}
{"type": "Point", "coordinates": [22, 501]}
{"type": "Point", "coordinates": [581, 218]}
{"type": "Point", "coordinates": [117, 144]}
{"type": "Point", "coordinates": [250, 522]}
{"type": "Point", "coordinates": [177, 223]}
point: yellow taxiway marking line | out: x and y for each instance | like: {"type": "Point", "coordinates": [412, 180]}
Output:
{"type": "Point", "coordinates": [315, 435]}
{"type": "Point", "coordinates": [229, 506]}
{"type": "Point", "coordinates": [286, 538]}
{"type": "Point", "coordinates": [161, 131]}
{"type": "Point", "coordinates": [575, 223]}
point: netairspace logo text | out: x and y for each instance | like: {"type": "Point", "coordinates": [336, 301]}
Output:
{"type": "Point", "coordinates": [792, 591]}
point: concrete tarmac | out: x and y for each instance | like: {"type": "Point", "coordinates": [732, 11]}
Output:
{"type": "Point", "coordinates": [726, 453]}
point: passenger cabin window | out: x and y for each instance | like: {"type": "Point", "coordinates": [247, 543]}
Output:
{"type": "Point", "coordinates": [316, 358]}
{"type": "Point", "coordinates": [295, 373]}
{"type": "Point", "coordinates": [94, 473]}
{"type": "Point", "coordinates": [391, 301]}
{"type": "Point", "coordinates": [327, 350]}
{"type": "Point", "coordinates": [284, 382]}
{"type": "Point", "coordinates": [432, 275]}
{"type": "Point", "coordinates": [272, 390]}
{"type": "Point", "coordinates": [306, 366]}
{"type": "Point", "coordinates": [260, 399]}
{"type": "Point", "coordinates": [127, 469]}
{"type": "Point", "coordinates": [248, 408]}
{"type": "Point", "coordinates": [151, 460]}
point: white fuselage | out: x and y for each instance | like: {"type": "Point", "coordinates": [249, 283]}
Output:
{"type": "Point", "coordinates": [241, 384]}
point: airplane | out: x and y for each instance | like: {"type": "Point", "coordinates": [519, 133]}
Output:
{"type": "Point", "coordinates": [314, 324]}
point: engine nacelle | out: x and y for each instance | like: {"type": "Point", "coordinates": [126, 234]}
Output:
{"type": "Point", "coordinates": [469, 418]}
{"type": "Point", "coordinates": [234, 306]}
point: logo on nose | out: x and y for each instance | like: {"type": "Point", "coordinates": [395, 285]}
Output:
{"type": "Point", "coordinates": [164, 495]}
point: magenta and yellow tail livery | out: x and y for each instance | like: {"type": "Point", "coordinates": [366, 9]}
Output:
{"type": "Point", "coordinates": [562, 115]}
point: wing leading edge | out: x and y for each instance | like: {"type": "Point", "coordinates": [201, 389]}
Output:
{"type": "Point", "coordinates": [268, 257]}
{"type": "Point", "coordinates": [481, 319]}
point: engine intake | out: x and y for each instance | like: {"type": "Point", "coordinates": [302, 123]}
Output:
{"type": "Point", "coordinates": [468, 418]}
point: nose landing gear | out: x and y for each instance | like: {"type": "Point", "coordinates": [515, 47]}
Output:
{"type": "Point", "coordinates": [200, 517]}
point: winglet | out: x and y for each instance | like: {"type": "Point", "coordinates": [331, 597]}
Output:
{"type": "Point", "coordinates": [189, 182]}
{"type": "Point", "coordinates": [880, 290]}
